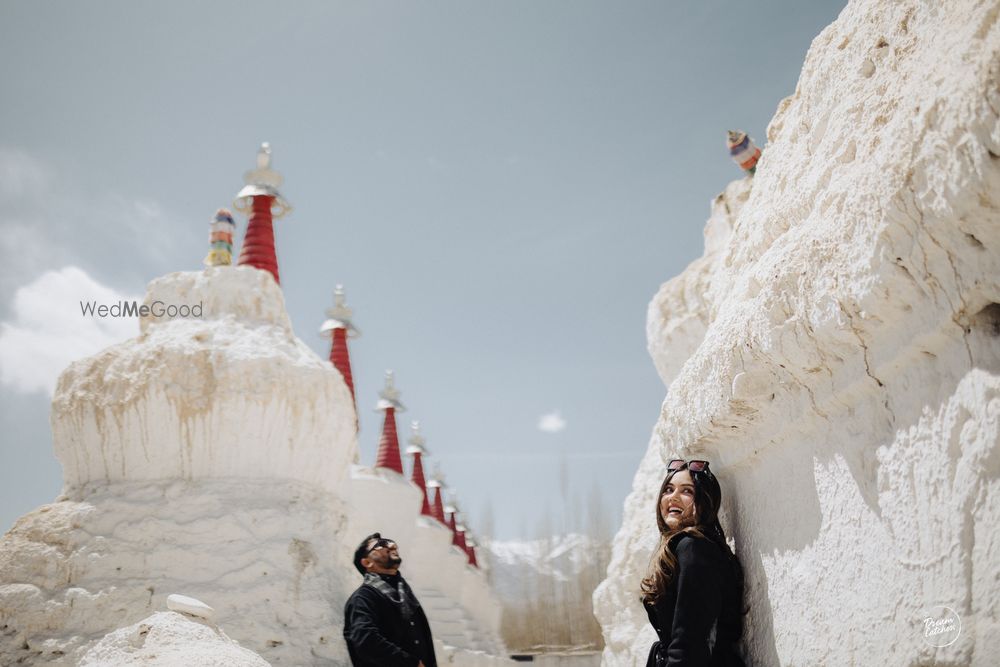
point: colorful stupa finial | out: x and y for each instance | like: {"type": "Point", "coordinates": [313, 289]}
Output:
{"type": "Point", "coordinates": [417, 451]}
{"type": "Point", "coordinates": [261, 200]}
{"type": "Point", "coordinates": [220, 239]}
{"type": "Point", "coordinates": [743, 151]}
{"type": "Point", "coordinates": [437, 502]}
{"type": "Point", "coordinates": [388, 444]}
{"type": "Point", "coordinates": [339, 327]}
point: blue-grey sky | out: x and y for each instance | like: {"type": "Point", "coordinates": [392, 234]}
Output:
{"type": "Point", "coordinates": [500, 186]}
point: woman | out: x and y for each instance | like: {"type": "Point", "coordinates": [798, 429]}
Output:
{"type": "Point", "coordinates": [694, 592]}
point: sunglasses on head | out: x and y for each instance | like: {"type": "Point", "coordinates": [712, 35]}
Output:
{"type": "Point", "coordinates": [382, 542]}
{"type": "Point", "coordinates": [693, 466]}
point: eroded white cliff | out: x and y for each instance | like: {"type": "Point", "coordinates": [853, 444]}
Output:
{"type": "Point", "coordinates": [836, 354]}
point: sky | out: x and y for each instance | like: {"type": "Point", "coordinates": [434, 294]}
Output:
{"type": "Point", "coordinates": [501, 187]}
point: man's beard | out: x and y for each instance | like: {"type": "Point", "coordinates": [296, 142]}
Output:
{"type": "Point", "coordinates": [394, 560]}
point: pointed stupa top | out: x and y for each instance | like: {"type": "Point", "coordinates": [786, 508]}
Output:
{"type": "Point", "coordinates": [459, 532]}
{"type": "Point", "coordinates": [339, 317]}
{"type": "Point", "coordinates": [470, 548]}
{"type": "Point", "coordinates": [262, 182]}
{"type": "Point", "coordinates": [389, 396]}
{"type": "Point", "coordinates": [417, 451]}
{"type": "Point", "coordinates": [451, 513]}
{"type": "Point", "coordinates": [436, 483]}
{"type": "Point", "coordinates": [416, 440]}
{"type": "Point", "coordinates": [262, 203]}
{"type": "Point", "coordinates": [388, 445]}
{"type": "Point", "coordinates": [337, 328]}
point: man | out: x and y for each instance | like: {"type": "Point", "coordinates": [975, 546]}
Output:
{"type": "Point", "coordinates": [383, 623]}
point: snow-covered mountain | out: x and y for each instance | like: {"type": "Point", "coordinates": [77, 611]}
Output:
{"type": "Point", "coordinates": [539, 581]}
{"type": "Point", "coordinates": [561, 558]}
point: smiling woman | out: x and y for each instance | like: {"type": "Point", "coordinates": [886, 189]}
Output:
{"type": "Point", "coordinates": [694, 592]}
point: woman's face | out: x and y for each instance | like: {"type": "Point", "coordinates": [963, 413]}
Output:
{"type": "Point", "coordinates": [677, 502]}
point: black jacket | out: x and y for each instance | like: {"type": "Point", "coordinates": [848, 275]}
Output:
{"type": "Point", "coordinates": [698, 619]}
{"type": "Point", "coordinates": [377, 633]}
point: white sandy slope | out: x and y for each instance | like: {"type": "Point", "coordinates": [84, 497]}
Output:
{"type": "Point", "coordinates": [836, 354]}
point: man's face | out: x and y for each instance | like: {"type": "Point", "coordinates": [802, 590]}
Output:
{"type": "Point", "coordinates": [383, 556]}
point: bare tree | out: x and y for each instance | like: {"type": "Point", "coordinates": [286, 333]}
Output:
{"type": "Point", "coordinates": [552, 613]}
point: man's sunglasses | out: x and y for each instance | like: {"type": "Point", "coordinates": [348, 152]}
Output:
{"type": "Point", "coordinates": [383, 542]}
{"type": "Point", "coordinates": [693, 466]}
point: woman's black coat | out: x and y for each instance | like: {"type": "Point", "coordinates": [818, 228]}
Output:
{"type": "Point", "coordinates": [698, 619]}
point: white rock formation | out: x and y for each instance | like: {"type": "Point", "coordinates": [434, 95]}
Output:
{"type": "Point", "coordinates": [190, 606]}
{"type": "Point", "coordinates": [170, 639]}
{"type": "Point", "coordinates": [836, 355]}
{"type": "Point", "coordinates": [212, 456]}
{"type": "Point", "coordinates": [231, 394]}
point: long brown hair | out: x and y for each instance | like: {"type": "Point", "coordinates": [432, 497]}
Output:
{"type": "Point", "coordinates": [707, 498]}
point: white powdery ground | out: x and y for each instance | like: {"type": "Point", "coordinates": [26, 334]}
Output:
{"type": "Point", "coordinates": [836, 354]}
{"type": "Point", "coordinates": [169, 639]}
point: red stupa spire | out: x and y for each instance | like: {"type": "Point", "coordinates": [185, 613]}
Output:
{"type": "Point", "coordinates": [471, 550]}
{"type": "Point", "coordinates": [451, 522]}
{"type": "Point", "coordinates": [261, 200]}
{"type": "Point", "coordinates": [338, 327]}
{"type": "Point", "coordinates": [457, 529]}
{"type": "Point", "coordinates": [459, 540]}
{"type": "Point", "coordinates": [388, 444]}
{"type": "Point", "coordinates": [417, 451]}
{"type": "Point", "coordinates": [437, 502]}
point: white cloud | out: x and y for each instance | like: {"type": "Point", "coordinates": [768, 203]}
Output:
{"type": "Point", "coordinates": [551, 423]}
{"type": "Point", "coordinates": [47, 329]}
{"type": "Point", "coordinates": [50, 221]}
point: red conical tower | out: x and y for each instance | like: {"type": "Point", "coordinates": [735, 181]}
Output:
{"type": "Point", "coordinates": [417, 451]}
{"type": "Point", "coordinates": [437, 502]}
{"type": "Point", "coordinates": [338, 327]}
{"type": "Point", "coordinates": [388, 444]}
{"type": "Point", "coordinates": [261, 200]}
{"type": "Point", "coordinates": [449, 512]}
{"type": "Point", "coordinates": [457, 529]}
{"type": "Point", "coordinates": [459, 540]}
{"type": "Point", "coordinates": [471, 550]}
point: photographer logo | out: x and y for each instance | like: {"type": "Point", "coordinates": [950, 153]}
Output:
{"type": "Point", "coordinates": [940, 626]}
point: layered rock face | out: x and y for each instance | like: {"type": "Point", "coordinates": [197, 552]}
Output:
{"type": "Point", "coordinates": [214, 457]}
{"type": "Point", "coordinates": [836, 356]}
